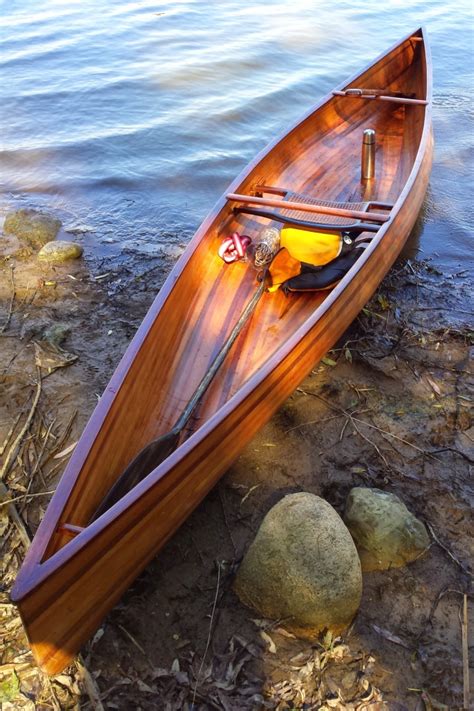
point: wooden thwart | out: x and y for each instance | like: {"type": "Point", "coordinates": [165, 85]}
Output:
{"type": "Point", "coordinates": [372, 94]}
{"type": "Point", "coordinates": [302, 207]}
{"type": "Point", "coordinates": [69, 529]}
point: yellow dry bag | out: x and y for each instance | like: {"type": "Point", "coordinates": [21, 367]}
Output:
{"type": "Point", "coordinates": [317, 248]}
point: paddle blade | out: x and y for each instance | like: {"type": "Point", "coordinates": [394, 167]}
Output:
{"type": "Point", "coordinates": [146, 460]}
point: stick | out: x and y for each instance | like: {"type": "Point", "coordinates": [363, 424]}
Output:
{"type": "Point", "coordinates": [133, 640]}
{"type": "Point", "coordinates": [368, 424]}
{"type": "Point", "coordinates": [22, 497]}
{"type": "Point", "coordinates": [465, 655]}
{"type": "Point", "coordinates": [37, 466]}
{"type": "Point", "coordinates": [9, 434]}
{"type": "Point", "coordinates": [14, 448]}
{"type": "Point", "coordinates": [305, 207]}
{"type": "Point", "coordinates": [446, 550]}
{"type": "Point", "coordinates": [209, 633]}
{"type": "Point", "coordinates": [15, 517]}
{"type": "Point", "coordinates": [229, 531]}
{"type": "Point", "coordinates": [90, 685]}
{"type": "Point", "coordinates": [10, 306]}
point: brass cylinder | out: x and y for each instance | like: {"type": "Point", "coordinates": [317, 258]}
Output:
{"type": "Point", "coordinates": [368, 154]}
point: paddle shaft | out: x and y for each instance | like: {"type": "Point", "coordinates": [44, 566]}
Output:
{"type": "Point", "coordinates": [306, 207]}
{"type": "Point", "coordinates": [182, 421]}
{"type": "Point", "coordinates": [159, 449]}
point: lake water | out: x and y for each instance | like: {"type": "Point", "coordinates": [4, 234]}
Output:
{"type": "Point", "coordinates": [129, 119]}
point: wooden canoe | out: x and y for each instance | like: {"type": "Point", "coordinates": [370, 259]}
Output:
{"type": "Point", "coordinates": [76, 571]}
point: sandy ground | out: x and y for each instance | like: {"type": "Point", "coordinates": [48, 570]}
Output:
{"type": "Point", "coordinates": [389, 407]}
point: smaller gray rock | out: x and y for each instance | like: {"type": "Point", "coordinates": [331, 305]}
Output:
{"type": "Point", "coordinates": [60, 251]}
{"type": "Point", "coordinates": [31, 226]}
{"type": "Point", "coordinates": [386, 534]}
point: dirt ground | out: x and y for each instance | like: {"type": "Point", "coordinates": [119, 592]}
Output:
{"type": "Point", "coordinates": [389, 407]}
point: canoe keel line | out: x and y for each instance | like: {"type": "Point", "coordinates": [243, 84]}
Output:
{"type": "Point", "coordinates": [79, 563]}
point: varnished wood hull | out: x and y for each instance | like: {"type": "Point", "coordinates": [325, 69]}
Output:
{"type": "Point", "coordinates": [66, 585]}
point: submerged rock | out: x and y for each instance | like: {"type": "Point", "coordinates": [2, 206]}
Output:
{"type": "Point", "coordinates": [60, 251]}
{"type": "Point", "coordinates": [387, 535]}
{"type": "Point", "coordinates": [302, 568]}
{"type": "Point", "coordinates": [32, 227]}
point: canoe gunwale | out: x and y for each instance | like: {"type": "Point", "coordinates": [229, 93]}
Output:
{"type": "Point", "coordinates": [34, 573]}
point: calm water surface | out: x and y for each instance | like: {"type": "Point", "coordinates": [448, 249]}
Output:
{"type": "Point", "coordinates": [129, 119]}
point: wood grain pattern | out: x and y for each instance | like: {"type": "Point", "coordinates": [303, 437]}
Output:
{"type": "Point", "coordinates": [74, 572]}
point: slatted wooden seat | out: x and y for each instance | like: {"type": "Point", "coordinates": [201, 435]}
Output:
{"type": "Point", "coordinates": [319, 220]}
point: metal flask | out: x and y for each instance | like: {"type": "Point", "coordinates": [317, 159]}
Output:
{"type": "Point", "coordinates": [368, 154]}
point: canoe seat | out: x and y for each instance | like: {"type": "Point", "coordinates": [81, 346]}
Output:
{"type": "Point", "coordinates": [300, 218]}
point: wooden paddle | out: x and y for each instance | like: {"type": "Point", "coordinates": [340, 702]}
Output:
{"type": "Point", "coordinates": [159, 449]}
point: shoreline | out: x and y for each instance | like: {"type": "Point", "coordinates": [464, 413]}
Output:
{"type": "Point", "coordinates": [402, 369]}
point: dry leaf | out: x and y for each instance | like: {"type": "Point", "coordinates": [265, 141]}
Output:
{"type": "Point", "coordinates": [434, 385]}
{"type": "Point", "coordinates": [65, 452]}
{"type": "Point", "coordinates": [391, 637]}
{"type": "Point", "coordinates": [271, 644]}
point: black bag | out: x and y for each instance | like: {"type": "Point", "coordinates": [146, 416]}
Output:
{"type": "Point", "coordinates": [313, 278]}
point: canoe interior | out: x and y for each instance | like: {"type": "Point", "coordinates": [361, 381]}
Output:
{"type": "Point", "coordinates": [320, 157]}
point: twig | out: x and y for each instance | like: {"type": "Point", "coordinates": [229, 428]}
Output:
{"type": "Point", "coordinates": [313, 422]}
{"type": "Point", "coordinates": [455, 451]}
{"type": "Point", "coordinates": [369, 424]}
{"type": "Point", "coordinates": [15, 517]}
{"type": "Point", "coordinates": [62, 438]}
{"type": "Point", "coordinates": [52, 693]}
{"type": "Point", "coordinates": [221, 497]}
{"type": "Point", "coordinates": [465, 655]}
{"type": "Point", "coordinates": [446, 549]}
{"type": "Point", "coordinates": [39, 457]}
{"type": "Point", "coordinates": [9, 434]}
{"type": "Point", "coordinates": [354, 420]}
{"type": "Point", "coordinates": [132, 639]}
{"type": "Point", "coordinates": [14, 448]}
{"type": "Point", "coordinates": [439, 597]}
{"type": "Point", "coordinates": [209, 633]}
{"type": "Point", "coordinates": [22, 497]}
{"type": "Point", "coordinates": [10, 306]}
{"type": "Point", "coordinates": [90, 685]}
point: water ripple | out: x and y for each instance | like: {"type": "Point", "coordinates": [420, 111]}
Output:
{"type": "Point", "coordinates": [106, 105]}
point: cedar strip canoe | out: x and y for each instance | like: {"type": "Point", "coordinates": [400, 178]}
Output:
{"type": "Point", "coordinates": [76, 571]}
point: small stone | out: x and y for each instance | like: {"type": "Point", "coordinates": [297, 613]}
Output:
{"type": "Point", "coordinates": [387, 535]}
{"type": "Point", "coordinates": [60, 251]}
{"type": "Point", "coordinates": [31, 226]}
{"type": "Point", "coordinates": [302, 568]}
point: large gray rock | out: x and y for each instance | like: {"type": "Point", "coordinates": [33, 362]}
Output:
{"type": "Point", "coordinates": [32, 227]}
{"type": "Point", "coordinates": [60, 251]}
{"type": "Point", "coordinates": [387, 535]}
{"type": "Point", "coordinates": [302, 568]}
